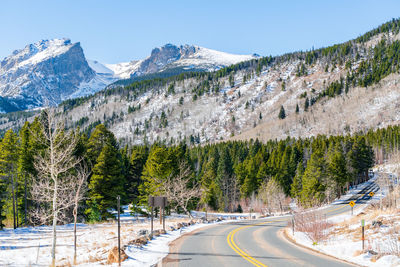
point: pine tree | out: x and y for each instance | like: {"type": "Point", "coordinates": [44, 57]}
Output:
{"type": "Point", "coordinates": [306, 104]}
{"type": "Point", "coordinates": [99, 137]}
{"type": "Point", "coordinates": [313, 188]}
{"type": "Point", "coordinates": [250, 181]}
{"type": "Point", "coordinates": [211, 190]}
{"type": "Point", "coordinates": [107, 182]}
{"type": "Point", "coordinates": [231, 80]}
{"type": "Point", "coordinates": [137, 161]}
{"type": "Point", "coordinates": [282, 114]}
{"type": "Point", "coordinates": [296, 187]}
{"type": "Point", "coordinates": [297, 108]}
{"type": "Point", "coordinates": [25, 169]}
{"type": "Point", "coordinates": [8, 169]}
{"type": "Point", "coordinates": [225, 177]}
{"type": "Point", "coordinates": [159, 166]}
{"type": "Point", "coordinates": [337, 170]}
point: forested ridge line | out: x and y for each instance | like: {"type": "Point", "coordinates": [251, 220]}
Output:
{"type": "Point", "coordinates": [228, 175]}
{"type": "Point", "coordinates": [378, 63]}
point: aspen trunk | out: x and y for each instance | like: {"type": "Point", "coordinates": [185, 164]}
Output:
{"type": "Point", "coordinates": [55, 214]}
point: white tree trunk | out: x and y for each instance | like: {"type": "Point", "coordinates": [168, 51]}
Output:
{"type": "Point", "coordinates": [55, 214]}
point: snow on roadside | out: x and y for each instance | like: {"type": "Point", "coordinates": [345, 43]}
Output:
{"type": "Point", "coordinates": [344, 248]}
{"type": "Point", "coordinates": [344, 237]}
{"type": "Point", "coordinates": [30, 246]}
{"type": "Point", "coordinates": [156, 249]}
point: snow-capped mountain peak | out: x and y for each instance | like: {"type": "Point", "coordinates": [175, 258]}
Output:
{"type": "Point", "coordinates": [169, 56]}
{"type": "Point", "coordinates": [50, 71]}
{"type": "Point", "coordinates": [37, 52]}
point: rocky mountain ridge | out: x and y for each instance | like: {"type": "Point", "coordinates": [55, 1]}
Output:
{"type": "Point", "coordinates": [51, 71]}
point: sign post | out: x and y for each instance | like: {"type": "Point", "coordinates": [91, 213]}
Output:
{"type": "Point", "coordinates": [160, 202]}
{"type": "Point", "coordinates": [362, 235]}
{"type": "Point", "coordinates": [119, 232]}
{"type": "Point", "coordinates": [352, 203]}
{"type": "Point", "coordinates": [163, 216]}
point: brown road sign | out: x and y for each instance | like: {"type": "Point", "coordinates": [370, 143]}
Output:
{"type": "Point", "coordinates": [371, 194]}
{"type": "Point", "coordinates": [161, 202]}
{"type": "Point", "coordinates": [352, 203]}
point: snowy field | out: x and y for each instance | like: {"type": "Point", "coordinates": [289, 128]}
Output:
{"type": "Point", "coordinates": [31, 246]}
{"type": "Point", "coordinates": [382, 242]}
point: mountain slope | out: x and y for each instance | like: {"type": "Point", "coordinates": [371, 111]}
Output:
{"type": "Point", "coordinates": [344, 88]}
{"type": "Point", "coordinates": [48, 71]}
{"type": "Point", "coordinates": [348, 87]}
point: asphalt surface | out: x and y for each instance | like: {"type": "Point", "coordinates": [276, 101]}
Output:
{"type": "Point", "coordinates": [253, 243]}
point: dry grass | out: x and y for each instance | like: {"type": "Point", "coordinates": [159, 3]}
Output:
{"type": "Point", "coordinates": [313, 224]}
{"type": "Point", "coordinates": [382, 240]}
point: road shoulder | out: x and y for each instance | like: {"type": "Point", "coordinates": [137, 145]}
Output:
{"type": "Point", "coordinates": [283, 234]}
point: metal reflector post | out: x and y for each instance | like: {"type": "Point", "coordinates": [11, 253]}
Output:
{"type": "Point", "coordinates": [293, 224]}
{"type": "Point", "coordinates": [362, 233]}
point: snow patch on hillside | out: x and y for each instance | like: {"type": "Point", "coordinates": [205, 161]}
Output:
{"type": "Point", "coordinates": [99, 67]}
{"type": "Point", "coordinates": [211, 59]}
{"type": "Point", "coordinates": [125, 69]}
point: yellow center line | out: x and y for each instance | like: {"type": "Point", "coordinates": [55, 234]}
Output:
{"type": "Point", "coordinates": [246, 256]}
{"type": "Point", "coordinates": [335, 209]}
{"type": "Point", "coordinates": [243, 254]}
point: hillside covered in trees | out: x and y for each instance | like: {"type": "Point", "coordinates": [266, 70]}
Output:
{"type": "Point", "coordinates": [340, 89]}
{"type": "Point", "coordinates": [230, 176]}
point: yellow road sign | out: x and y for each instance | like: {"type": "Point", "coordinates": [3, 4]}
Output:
{"type": "Point", "coordinates": [371, 194]}
{"type": "Point", "coordinates": [352, 203]}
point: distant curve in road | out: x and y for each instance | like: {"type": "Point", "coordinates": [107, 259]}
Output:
{"type": "Point", "coordinates": [253, 243]}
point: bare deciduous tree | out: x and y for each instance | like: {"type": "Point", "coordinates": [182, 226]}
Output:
{"type": "Point", "coordinates": [273, 196]}
{"type": "Point", "coordinates": [54, 189]}
{"type": "Point", "coordinates": [179, 188]}
{"type": "Point", "coordinates": [80, 188]}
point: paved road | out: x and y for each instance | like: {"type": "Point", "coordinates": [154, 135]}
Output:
{"type": "Point", "coordinates": [252, 243]}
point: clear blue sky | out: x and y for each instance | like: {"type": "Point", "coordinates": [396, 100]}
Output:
{"type": "Point", "coordinates": [123, 30]}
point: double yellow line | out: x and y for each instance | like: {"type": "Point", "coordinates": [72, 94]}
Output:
{"type": "Point", "coordinates": [239, 251]}
{"type": "Point", "coordinates": [246, 256]}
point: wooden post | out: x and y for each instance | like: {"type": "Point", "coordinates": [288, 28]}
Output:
{"type": "Point", "coordinates": [163, 216]}
{"type": "Point", "coordinates": [119, 232]}
{"type": "Point", "coordinates": [151, 232]}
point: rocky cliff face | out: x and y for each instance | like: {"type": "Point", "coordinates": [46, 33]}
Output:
{"type": "Point", "coordinates": [160, 57]}
{"type": "Point", "coordinates": [48, 71]}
